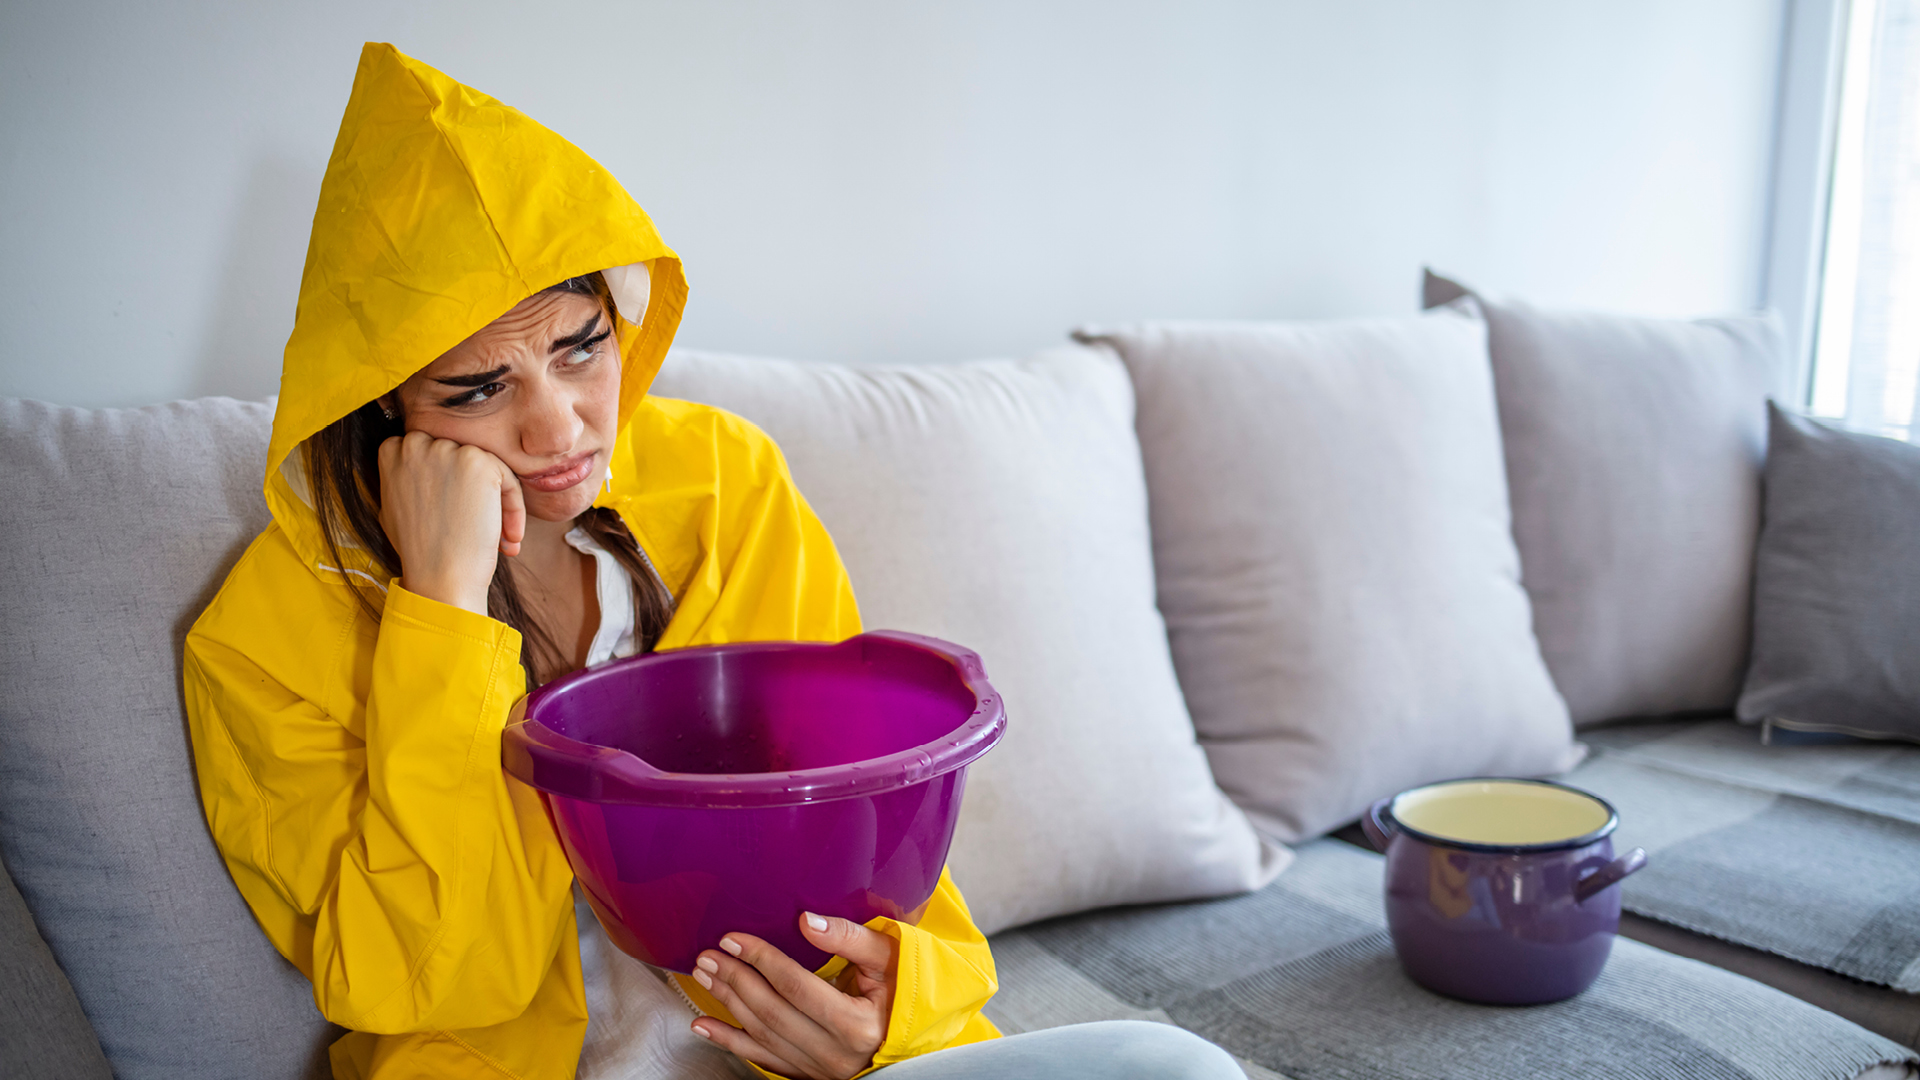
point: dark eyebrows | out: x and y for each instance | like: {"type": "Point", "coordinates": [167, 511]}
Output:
{"type": "Point", "coordinates": [578, 337]}
{"type": "Point", "coordinates": [481, 379]}
{"type": "Point", "coordinates": [574, 340]}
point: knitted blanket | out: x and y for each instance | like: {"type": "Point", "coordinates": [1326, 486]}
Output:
{"type": "Point", "coordinates": [1299, 981]}
{"type": "Point", "coordinates": [1808, 851]}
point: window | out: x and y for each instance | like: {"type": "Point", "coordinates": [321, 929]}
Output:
{"type": "Point", "coordinates": [1866, 361]}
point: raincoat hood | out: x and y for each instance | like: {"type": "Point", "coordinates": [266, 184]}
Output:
{"type": "Point", "coordinates": [441, 209]}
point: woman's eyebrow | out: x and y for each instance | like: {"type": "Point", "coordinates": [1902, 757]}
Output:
{"type": "Point", "coordinates": [481, 379]}
{"type": "Point", "coordinates": [578, 337]}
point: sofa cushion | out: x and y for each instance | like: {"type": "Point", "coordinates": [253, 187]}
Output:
{"type": "Point", "coordinates": [1880, 1009]}
{"type": "Point", "coordinates": [1810, 852]}
{"type": "Point", "coordinates": [1836, 594]}
{"type": "Point", "coordinates": [1299, 981]}
{"type": "Point", "coordinates": [1000, 505]}
{"type": "Point", "coordinates": [43, 1032]}
{"type": "Point", "coordinates": [1633, 452]}
{"type": "Point", "coordinates": [1335, 563]}
{"type": "Point", "coordinates": [119, 525]}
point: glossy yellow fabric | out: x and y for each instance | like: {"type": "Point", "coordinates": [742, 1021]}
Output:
{"type": "Point", "coordinates": [350, 767]}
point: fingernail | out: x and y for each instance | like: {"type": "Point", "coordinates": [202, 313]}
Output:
{"type": "Point", "coordinates": [730, 945]}
{"type": "Point", "coordinates": [816, 921]}
{"type": "Point", "coordinates": [702, 1032]}
{"type": "Point", "coordinates": [705, 980]}
{"type": "Point", "coordinates": [707, 963]}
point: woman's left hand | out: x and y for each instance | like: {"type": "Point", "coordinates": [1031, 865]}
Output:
{"type": "Point", "coordinates": [792, 1021]}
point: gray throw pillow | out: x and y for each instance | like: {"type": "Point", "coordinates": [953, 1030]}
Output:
{"type": "Point", "coordinates": [1335, 562]}
{"type": "Point", "coordinates": [119, 524]}
{"type": "Point", "coordinates": [1836, 593]}
{"type": "Point", "coordinates": [1633, 451]}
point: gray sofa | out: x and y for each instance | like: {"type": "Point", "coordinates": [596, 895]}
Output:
{"type": "Point", "coordinates": [127, 951]}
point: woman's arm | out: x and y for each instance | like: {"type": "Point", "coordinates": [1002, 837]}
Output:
{"type": "Point", "coordinates": [365, 816]}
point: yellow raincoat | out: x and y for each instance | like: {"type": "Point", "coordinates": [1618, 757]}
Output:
{"type": "Point", "coordinates": [350, 768]}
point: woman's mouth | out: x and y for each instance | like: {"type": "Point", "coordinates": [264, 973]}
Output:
{"type": "Point", "coordinates": [562, 476]}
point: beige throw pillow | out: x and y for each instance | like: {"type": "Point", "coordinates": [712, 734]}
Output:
{"type": "Point", "coordinates": [1000, 505]}
{"type": "Point", "coordinates": [1330, 535]}
{"type": "Point", "coordinates": [1633, 452]}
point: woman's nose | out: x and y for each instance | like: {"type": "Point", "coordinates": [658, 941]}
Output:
{"type": "Point", "coordinates": [550, 426]}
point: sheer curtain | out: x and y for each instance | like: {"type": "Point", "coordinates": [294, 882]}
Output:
{"type": "Point", "coordinates": [1867, 350]}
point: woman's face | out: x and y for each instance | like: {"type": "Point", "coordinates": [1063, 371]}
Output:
{"type": "Point", "coordinates": [538, 388]}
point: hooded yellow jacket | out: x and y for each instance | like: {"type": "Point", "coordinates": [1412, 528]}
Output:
{"type": "Point", "coordinates": [350, 767]}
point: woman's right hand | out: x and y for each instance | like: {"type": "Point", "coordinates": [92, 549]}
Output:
{"type": "Point", "coordinates": [450, 510]}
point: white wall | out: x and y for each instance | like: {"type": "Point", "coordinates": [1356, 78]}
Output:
{"type": "Point", "coordinates": [878, 181]}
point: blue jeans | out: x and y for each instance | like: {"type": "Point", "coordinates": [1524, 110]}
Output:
{"type": "Point", "coordinates": [1110, 1050]}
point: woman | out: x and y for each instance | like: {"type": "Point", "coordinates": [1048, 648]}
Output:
{"type": "Point", "coordinates": [472, 494]}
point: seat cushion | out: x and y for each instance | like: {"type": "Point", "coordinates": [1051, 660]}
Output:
{"type": "Point", "coordinates": [1300, 981]}
{"type": "Point", "coordinates": [1811, 852]}
{"type": "Point", "coordinates": [119, 525]}
{"type": "Point", "coordinates": [1879, 1009]}
{"type": "Point", "coordinates": [1335, 563]}
{"type": "Point", "coordinates": [1836, 592]}
{"type": "Point", "coordinates": [1000, 505]}
{"type": "Point", "coordinates": [1633, 451]}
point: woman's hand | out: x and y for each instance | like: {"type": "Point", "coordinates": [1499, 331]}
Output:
{"type": "Point", "coordinates": [792, 1021]}
{"type": "Point", "coordinates": [451, 510]}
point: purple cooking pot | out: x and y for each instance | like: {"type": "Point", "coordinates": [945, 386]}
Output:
{"type": "Point", "coordinates": [1501, 891]}
{"type": "Point", "coordinates": [707, 790]}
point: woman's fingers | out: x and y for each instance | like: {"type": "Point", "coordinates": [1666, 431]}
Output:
{"type": "Point", "coordinates": [869, 950]}
{"type": "Point", "coordinates": [866, 986]}
{"type": "Point", "coordinates": [449, 510]}
{"type": "Point", "coordinates": [513, 510]}
{"type": "Point", "coordinates": [389, 455]}
{"type": "Point", "coordinates": [813, 996]}
{"type": "Point", "coordinates": [764, 1015]}
{"type": "Point", "coordinates": [741, 1045]}
{"type": "Point", "coordinates": [794, 1013]}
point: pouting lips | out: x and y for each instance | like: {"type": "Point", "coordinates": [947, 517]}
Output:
{"type": "Point", "coordinates": [561, 476]}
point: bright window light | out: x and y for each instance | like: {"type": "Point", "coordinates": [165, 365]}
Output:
{"type": "Point", "coordinates": [1867, 347]}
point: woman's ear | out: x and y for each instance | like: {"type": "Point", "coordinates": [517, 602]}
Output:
{"type": "Point", "coordinates": [389, 405]}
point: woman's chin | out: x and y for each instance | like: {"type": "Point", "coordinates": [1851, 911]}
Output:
{"type": "Point", "coordinates": [560, 505]}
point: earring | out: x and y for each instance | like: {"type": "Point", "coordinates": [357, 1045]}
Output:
{"type": "Point", "coordinates": [389, 413]}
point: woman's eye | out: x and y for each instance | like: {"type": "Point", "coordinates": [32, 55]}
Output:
{"type": "Point", "coordinates": [474, 396]}
{"type": "Point", "coordinates": [587, 349]}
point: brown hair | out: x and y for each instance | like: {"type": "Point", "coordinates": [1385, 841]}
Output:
{"type": "Point", "coordinates": [343, 467]}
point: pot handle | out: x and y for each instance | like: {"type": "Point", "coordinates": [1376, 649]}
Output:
{"type": "Point", "coordinates": [1609, 874]}
{"type": "Point", "coordinates": [1378, 825]}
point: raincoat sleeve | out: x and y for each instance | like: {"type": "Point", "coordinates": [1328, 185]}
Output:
{"type": "Point", "coordinates": [945, 976]}
{"type": "Point", "coordinates": [770, 571]}
{"type": "Point", "coordinates": [369, 825]}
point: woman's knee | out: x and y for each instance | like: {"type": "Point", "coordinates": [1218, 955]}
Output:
{"type": "Point", "coordinates": [1140, 1050]}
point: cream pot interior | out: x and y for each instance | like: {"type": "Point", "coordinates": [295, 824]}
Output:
{"type": "Point", "coordinates": [1500, 812]}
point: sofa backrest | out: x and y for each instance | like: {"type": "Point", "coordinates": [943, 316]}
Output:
{"type": "Point", "coordinates": [1001, 504]}
{"type": "Point", "coordinates": [43, 1031]}
{"type": "Point", "coordinates": [118, 526]}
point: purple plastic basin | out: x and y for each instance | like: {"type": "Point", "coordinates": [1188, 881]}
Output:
{"type": "Point", "coordinates": [729, 788]}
